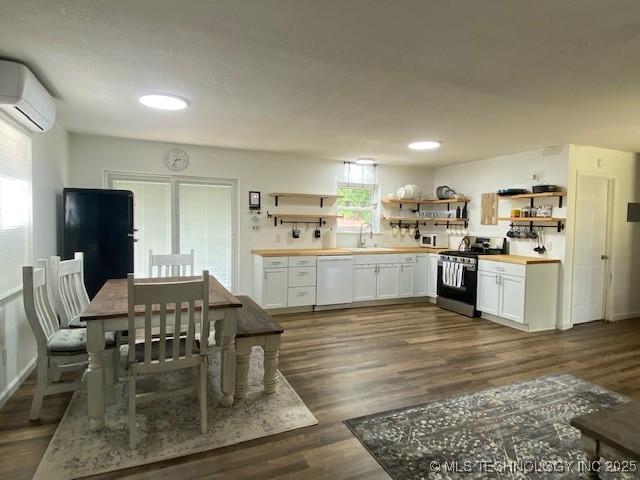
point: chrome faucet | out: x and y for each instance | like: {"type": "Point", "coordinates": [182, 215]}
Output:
{"type": "Point", "coordinates": [361, 241]}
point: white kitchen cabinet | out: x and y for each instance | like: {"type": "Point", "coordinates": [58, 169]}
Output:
{"type": "Point", "coordinates": [432, 282]}
{"type": "Point", "coordinates": [488, 296]}
{"type": "Point", "coordinates": [522, 296]}
{"type": "Point", "coordinates": [274, 288]}
{"type": "Point", "coordinates": [388, 281]}
{"type": "Point", "coordinates": [365, 282]}
{"type": "Point", "coordinates": [406, 284]}
{"type": "Point", "coordinates": [512, 293]}
{"type": "Point", "coordinates": [421, 275]}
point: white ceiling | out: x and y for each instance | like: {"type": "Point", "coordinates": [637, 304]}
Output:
{"type": "Point", "coordinates": [341, 78]}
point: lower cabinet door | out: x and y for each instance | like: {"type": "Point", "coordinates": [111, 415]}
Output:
{"type": "Point", "coordinates": [420, 282]}
{"type": "Point", "coordinates": [407, 280]}
{"type": "Point", "coordinates": [364, 283]}
{"type": "Point", "coordinates": [301, 296]}
{"type": "Point", "coordinates": [512, 293]}
{"type": "Point", "coordinates": [432, 276]}
{"type": "Point", "coordinates": [388, 281]}
{"type": "Point", "coordinates": [274, 288]}
{"type": "Point", "coordinates": [488, 299]}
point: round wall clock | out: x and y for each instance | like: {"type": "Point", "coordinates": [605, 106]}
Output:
{"type": "Point", "coordinates": [176, 160]}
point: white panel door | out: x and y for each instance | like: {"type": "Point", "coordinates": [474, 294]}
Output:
{"type": "Point", "coordinates": [421, 276]}
{"type": "Point", "coordinates": [407, 279]}
{"type": "Point", "coordinates": [364, 283]}
{"type": "Point", "coordinates": [511, 298]}
{"type": "Point", "coordinates": [388, 281]}
{"type": "Point", "coordinates": [274, 288]}
{"type": "Point", "coordinates": [488, 296]}
{"type": "Point", "coordinates": [590, 249]}
{"type": "Point", "coordinates": [432, 282]}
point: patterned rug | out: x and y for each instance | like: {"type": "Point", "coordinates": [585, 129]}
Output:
{"type": "Point", "coordinates": [169, 428]}
{"type": "Point", "coordinates": [516, 431]}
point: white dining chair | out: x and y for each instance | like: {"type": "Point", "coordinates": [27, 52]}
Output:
{"type": "Point", "coordinates": [171, 264]}
{"type": "Point", "coordinates": [161, 354]}
{"type": "Point", "coordinates": [59, 350]}
{"type": "Point", "coordinates": [70, 298]}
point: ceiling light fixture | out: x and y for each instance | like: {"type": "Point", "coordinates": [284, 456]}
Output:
{"type": "Point", "coordinates": [424, 145]}
{"type": "Point", "coordinates": [163, 102]}
{"type": "Point", "coordinates": [365, 161]}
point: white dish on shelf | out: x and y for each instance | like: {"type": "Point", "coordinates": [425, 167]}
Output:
{"type": "Point", "coordinates": [401, 193]}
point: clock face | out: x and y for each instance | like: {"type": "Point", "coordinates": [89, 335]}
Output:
{"type": "Point", "coordinates": [176, 160]}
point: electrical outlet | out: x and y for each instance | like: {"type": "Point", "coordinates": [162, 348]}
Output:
{"type": "Point", "coordinates": [4, 357]}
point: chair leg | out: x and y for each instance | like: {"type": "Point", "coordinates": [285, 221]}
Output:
{"type": "Point", "coordinates": [203, 395]}
{"type": "Point", "coordinates": [132, 411]}
{"type": "Point", "coordinates": [41, 387]}
{"type": "Point", "coordinates": [271, 353]}
{"type": "Point", "coordinates": [56, 375]}
{"type": "Point", "coordinates": [243, 355]}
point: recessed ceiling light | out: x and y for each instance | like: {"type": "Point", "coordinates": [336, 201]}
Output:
{"type": "Point", "coordinates": [163, 102]}
{"type": "Point", "coordinates": [424, 145]}
{"type": "Point", "coordinates": [365, 161]}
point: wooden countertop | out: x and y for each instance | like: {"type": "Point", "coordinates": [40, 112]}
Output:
{"type": "Point", "coordinates": [518, 259]}
{"type": "Point", "coordinates": [297, 252]}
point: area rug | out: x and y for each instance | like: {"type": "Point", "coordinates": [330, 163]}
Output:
{"type": "Point", "coordinates": [516, 431]}
{"type": "Point", "coordinates": [169, 428]}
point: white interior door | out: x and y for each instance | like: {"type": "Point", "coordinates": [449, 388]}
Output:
{"type": "Point", "coordinates": [590, 249]}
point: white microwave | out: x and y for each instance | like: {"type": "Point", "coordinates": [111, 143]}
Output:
{"type": "Point", "coordinates": [434, 240]}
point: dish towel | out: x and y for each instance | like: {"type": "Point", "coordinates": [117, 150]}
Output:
{"type": "Point", "coordinates": [452, 274]}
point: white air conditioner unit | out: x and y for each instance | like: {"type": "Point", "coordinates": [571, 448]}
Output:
{"type": "Point", "coordinates": [24, 98]}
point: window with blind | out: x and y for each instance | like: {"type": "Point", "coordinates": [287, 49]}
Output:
{"type": "Point", "coordinates": [15, 205]}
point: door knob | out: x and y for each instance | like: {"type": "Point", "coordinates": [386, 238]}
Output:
{"type": "Point", "coordinates": [604, 257]}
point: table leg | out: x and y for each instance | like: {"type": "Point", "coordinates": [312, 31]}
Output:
{"type": "Point", "coordinates": [95, 374]}
{"type": "Point", "coordinates": [271, 353]}
{"type": "Point", "coordinates": [592, 448]}
{"type": "Point", "coordinates": [228, 366]}
{"type": "Point", "coordinates": [243, 355]}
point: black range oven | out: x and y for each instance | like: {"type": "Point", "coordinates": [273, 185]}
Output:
{"type": "Point", "coordinates": [458, 281]}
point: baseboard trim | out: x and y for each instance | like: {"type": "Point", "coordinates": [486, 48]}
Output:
{"type": "Point", "coordinates": [16, 382]}
{"type": "Point", "coordinates": [624, 316]}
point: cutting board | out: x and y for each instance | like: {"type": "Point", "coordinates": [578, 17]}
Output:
{"type": "Point", "coordinates": [489, 209]}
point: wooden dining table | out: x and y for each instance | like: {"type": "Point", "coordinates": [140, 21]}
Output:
{"type": "Point", "coordinates": [108, 311]}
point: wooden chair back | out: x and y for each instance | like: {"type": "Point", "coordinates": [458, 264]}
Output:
{"type": "Point", "coordinates": [171, 265]}
{"type": "Point", "coordinates": [40, 313]}
{"type": "Point", "coordinates": [70, 296]}
{"type": "Point", "coordinates": [168, 300]}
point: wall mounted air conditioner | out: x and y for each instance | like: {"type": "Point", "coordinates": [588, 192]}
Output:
{"type": "Point", "coordinates": [24, 98]}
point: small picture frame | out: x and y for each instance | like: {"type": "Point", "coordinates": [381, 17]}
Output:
{"type": "Point", "coordinates": [254, 200]}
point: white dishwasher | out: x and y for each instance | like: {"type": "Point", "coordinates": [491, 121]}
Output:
{"type": "Point", "coordinates": [334, 280]}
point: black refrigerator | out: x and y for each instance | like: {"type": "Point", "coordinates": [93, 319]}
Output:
{"type": "Point", "coordinates": [99, 223]}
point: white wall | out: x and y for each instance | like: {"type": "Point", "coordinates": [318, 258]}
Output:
{"type": "Point", "coordinates": [485, 176]}
{"type": "Point", "coordinates": [624, 169]}
{"type": "Point", "coordinates": [516, 170]}
{"type": "Point", "coordinates": [267, 172]}
{"type": "Point", "coordinates": [49, 172]}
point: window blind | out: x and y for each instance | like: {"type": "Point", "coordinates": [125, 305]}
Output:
{"type": "Point", "coordinates": [15, 205]}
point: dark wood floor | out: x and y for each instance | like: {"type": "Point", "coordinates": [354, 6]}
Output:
{"type": "Point", "coordinates": [350, 363]}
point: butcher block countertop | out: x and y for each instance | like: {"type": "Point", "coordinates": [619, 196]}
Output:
{"type": "Point", "coordinates": [518, 259]}
{"type": "Point", "coordinates": [297, 252]}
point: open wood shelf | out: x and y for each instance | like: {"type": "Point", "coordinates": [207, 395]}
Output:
{"type": "Point", "coordinates": [533, 195]}
{"type": "Point", "coordinates": [414, 201]}
{"type": "Point", "coordinates": [423, 219]}
{"type": "Point", "coordinates": [319, 196]}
